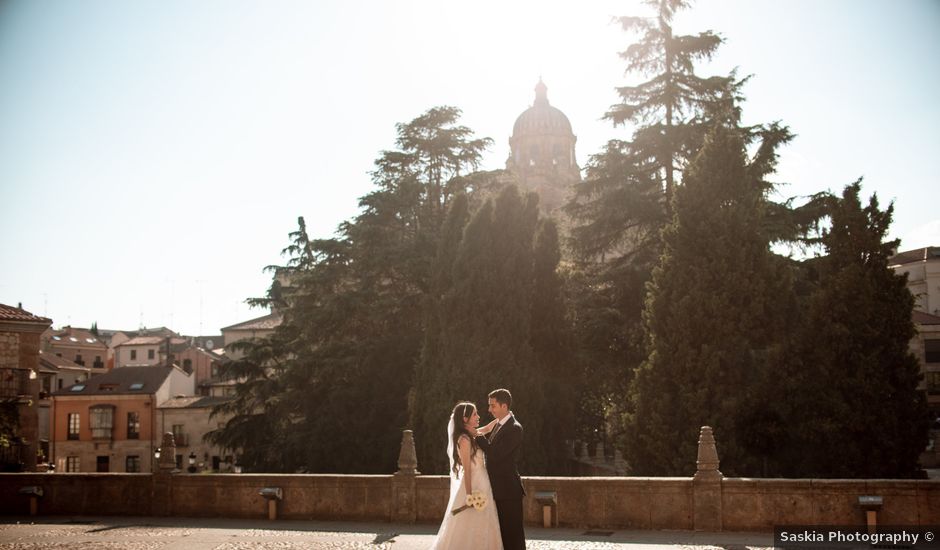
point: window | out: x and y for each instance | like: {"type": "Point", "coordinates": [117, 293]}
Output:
{"type": "Point", "coordinates": [98, 364]}
{"type": "Point", "coordinates": [103, 464]}
{"type": "Point", "coordinates": [133, 425]}
{"type": "Point", "coordinates": [78, 387]}
{"type": "Point", "coordinates": [178, 436]}
{"type": "Point", "coordinates": [132, 465]}
{"type": "Point", "coordinates": [149, 354]}
{"type": "Point", "coordinates": [60, 383]}
{"type": "Point", "coordinates": [101, 421]}
{"type": "Point", "coordinates": [78, 359]}
{"type": "Point", "coordinates": [933, 383]}
{"type": "Point", "coordinates": [188, 365]}
{"type": "Point", "coordinates": [932, 351]}
{"type": "Point", "coordinates": [215, 370]}
{"type": "Point", "coordinates": [133, 355]}
{"type": "Point", "coordinates": [74, 423]}
{"type": "Point", "coordinates": [72, 464]}
{"type": "Point", "coordinates": [136, 386]}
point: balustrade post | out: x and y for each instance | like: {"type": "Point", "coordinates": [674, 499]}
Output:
{"type": "Point", "coordinates": [706, 485]}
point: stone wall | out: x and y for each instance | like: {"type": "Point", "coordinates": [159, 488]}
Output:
{"type": "Point", "coordinates": [706, 502]}
{"type": "Point", "coordinates": [615, 503]}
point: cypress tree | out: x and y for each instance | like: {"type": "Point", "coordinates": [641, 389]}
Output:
{"type": "Point", "coordinates": [491, 332]}
{"type": "Point", "coordinates": [552, 347]}
{"type": "Point", "coordinates": [709, 317]}
{"type": "Point", "coordinates": [855, 410]}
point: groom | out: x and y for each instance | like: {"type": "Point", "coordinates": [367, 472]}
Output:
{"type": "Point", "coordinates": [501, 447]}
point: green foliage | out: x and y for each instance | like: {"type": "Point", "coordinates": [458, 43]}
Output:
{"type": "Point", "coordinates": [711, 317]}
{"type": "Point", "coordinates": [9, 422]}
{"type": "Point", "coordinates": [328, 392]}
{"type": "Point", "coordinates": [669, 104]}
{"type": "Point", "coordinates": [852, 402]}
{"type": "Point", "coordinates": [489, 297]}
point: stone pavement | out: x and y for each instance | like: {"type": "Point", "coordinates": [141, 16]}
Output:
{"type": "Point", "coordinates": [148, 533]}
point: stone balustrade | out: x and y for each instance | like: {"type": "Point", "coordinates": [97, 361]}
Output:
{"type": "Point", "coordinates": [706, 501]}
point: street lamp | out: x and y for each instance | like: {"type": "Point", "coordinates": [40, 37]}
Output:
{"type": "Point", "coordinates": [192, 462]}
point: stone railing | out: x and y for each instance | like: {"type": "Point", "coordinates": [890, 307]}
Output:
{"type": "Point", "coordinates": [706, 501]}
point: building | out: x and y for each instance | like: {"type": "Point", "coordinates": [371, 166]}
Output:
{"type": "Point", "coordinates": [190, 419]}
{"type": "Point", "coordinates": [542, 152]}
{"type": "Point", "coordinates": [78, 345]}
{"type": "Point", "coordinates": [254, 328]}
{"type": "Point", "coordinates": [922, 267]}
{"type": "Point", "coordinates": [148, 351]}
{"type": "Point", "coordinates": [203, 364]}
{"type": "Point", "coordinates": [55, 373]}
{"type": "Point", "coordinates": [114, 338]}
{"type": "Point", "coordinates": [20, 340]}
{"type": "Point", "coordinates": [109, 424]}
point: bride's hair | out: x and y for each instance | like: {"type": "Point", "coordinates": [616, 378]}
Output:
{"type": "Point", "coordinates": [462, 412]}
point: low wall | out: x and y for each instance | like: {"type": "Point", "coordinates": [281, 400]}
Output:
{"type": "Point", "coordinates": [615, 502]}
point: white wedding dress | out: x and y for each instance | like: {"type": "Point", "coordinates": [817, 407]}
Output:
{"type": "Point", "coordinates": [471, 529]}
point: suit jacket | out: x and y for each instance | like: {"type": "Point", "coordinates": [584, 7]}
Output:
{"type": "Point", "coordinates": [501, 453]}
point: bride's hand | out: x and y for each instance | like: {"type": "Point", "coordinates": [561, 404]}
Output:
{"type": "Point", "coordinates": [488, 428]}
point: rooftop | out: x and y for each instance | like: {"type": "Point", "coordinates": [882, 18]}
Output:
{"type": "Point", "coordinates": [53, 361]}
{"type": "Point", "coordinates": [193, 402]}
{"type": "Point", "coordinates": [922, 318]}
{"type": "Point", "coordinates": [10, 313]}
{"type": "Point", "coordinates": [124, 380]}
{"type": "Point", "coordinates": [268, 322]}
{"type": "Point", "coordinates": [916, 255]}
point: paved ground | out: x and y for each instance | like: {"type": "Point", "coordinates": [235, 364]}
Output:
{"type": "Point", "coordinates": [145, 533]}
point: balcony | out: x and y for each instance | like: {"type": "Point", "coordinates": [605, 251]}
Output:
{"type": "Point", "coordinates": [14, 383]}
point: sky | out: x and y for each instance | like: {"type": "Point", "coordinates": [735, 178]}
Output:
{"type": "Point", "coordinates": [154, 155]}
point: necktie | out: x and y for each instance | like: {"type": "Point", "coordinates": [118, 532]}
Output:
{"type": "Point", "coordinates": [495, 429]}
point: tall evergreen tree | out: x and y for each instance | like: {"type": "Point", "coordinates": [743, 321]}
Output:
{"type": "Point", "coordinates": [854, 407]}
{"type": "Point", "coordinates": [486, 335]}
{"type": "Point", "coordinates": [330, 387]}
{"type": "Point", "coordinates": [553, 349]}
{"type": "Point", "coordinates": [710, 316]}
{"type": "Point", "coordinates": [670, 103]}
{"type": "Point", "coordinates": [624, 204]}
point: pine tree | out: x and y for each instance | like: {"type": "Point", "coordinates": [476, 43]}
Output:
{"type": "Point", "coordinates": [624, 204]}
{"type": "Point", "coordinates": [710, 317]}
{"type": "Point", "coordinates": [335, 377]}
{"type": "Point", "coordinates": [854, 407]}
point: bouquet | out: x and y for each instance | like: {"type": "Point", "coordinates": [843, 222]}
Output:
{"type": "Point", "coordinates": [474, 500]}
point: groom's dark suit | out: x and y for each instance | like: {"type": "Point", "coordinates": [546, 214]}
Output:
{"type": "Point", "coordinates": [501, 451]}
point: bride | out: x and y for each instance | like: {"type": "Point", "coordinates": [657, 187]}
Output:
{"type": "Point", "coordinates": [472, 528]}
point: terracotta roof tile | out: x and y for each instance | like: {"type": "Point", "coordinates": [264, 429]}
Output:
{"type": "Point", "coordinates": [56, 362]}
{"type": "Point", "coordinates": [916, 255]}
{"type": "Point", "coordinates": [121, 381]}
{"type": "Point", "coordinates": [922, 318]}
{"type": "Point", "coordinates": [268, 322]}
{"type": "Point", "coordinates": [10, 313]}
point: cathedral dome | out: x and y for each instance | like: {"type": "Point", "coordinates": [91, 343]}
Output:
{"type": "Point", "coordinates": [541, 118]}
